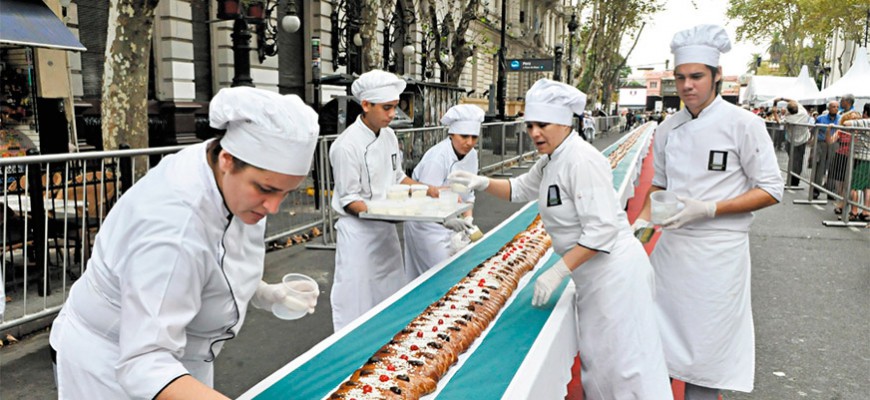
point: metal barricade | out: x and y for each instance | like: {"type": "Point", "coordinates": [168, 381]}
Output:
{"type": "Point", "coordinates": [53, 207]}
{"type": "Point", "coordinates": [834, 162]}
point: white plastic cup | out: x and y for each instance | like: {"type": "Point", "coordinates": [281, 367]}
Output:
{"type": "Point", "coordinates": [448, 199]}
{"type": "Point", "coordinates": [399, 192]}
{"type": "Point", "coordinates": [664, 205]}
{"type": "Point", "coordinates": [459, 188]}
{"type": "Point", "coordinates": [297, 285]}
{"type": "Point", "coordinates": [419, 191]}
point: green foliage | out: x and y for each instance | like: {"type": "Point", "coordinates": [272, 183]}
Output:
{"type": "Point", "coordinates": [788, 26]}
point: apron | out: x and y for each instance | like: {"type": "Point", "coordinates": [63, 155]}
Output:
{"type": "Point", "coordinates": [368, 267]}
{"type": "Point", "coordinates": [704, 308]}
{"type": "Point", "coordinates": [426, 244]}
{"type": "Point", "coordinates": [620, 345]}
{"type": "Point", "coordinates": [619, 341]}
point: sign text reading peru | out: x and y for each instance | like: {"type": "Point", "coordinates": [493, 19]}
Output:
{"type": "Point", "coordinates": [534, 64]}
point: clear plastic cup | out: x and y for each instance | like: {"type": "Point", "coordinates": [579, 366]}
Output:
{"type": "Point", "coordinates": [664, 205]}
{"type": "Point", "coordinates": [297, 285]}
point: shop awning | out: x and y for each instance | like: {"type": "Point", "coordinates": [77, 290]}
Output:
{"type": "Point", "coordinates": [32, 23]}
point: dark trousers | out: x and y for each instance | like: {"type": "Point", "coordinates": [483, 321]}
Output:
{"type": "Point", "coordinates": [820, 163]}
{"type": "Point", "coordinates": [796, 163]}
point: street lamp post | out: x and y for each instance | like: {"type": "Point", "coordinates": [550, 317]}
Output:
{"type": "Point", "coordinates": [502, 67]}
{"type": "Point", "coordinates": [557, 63]}
{"type": "Point", "coordinates": [572, 27]}
{"type": "Point", "coordinates": [259, 14]}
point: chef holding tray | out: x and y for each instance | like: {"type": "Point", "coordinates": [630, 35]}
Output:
{"type": "Point", "coordinates": [366, 161]}
{"type": "Point", "coordinates": [428, 243]}
{"type": "Point", "coordinates": [619, 341]}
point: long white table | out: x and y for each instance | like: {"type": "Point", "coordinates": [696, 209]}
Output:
{"type": "Point", "coordinates": [526, 352]}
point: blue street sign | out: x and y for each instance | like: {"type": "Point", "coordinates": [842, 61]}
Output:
{"type": "Point", "coordinates": [532, 64]}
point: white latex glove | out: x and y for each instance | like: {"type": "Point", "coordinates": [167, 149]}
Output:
{"type": "Point", "coordinates": [692, 210]}
{"type": "Point", "coordinates": [548, 282]}
{"type": "Point", "coordinates": [269, 294]}
{"type": "Point", "coordinates": [469, 180]}
{"type": "Point", "coordinates": [458, 242]}
{"type": "Point", "coordinates": [458, 224]}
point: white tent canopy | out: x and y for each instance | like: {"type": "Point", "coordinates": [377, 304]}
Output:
{"type": "Point", "coordinates": [856, 81]}
{"type": "Point", "coordinates": [763, 88]}
{"type": "Point", "coordinates": [803, 88]}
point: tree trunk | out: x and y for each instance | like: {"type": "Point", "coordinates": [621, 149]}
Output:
{"type": "Point", "coordinates": [369, 31]}
{"type": "Point", "coordinates": [125, 80]}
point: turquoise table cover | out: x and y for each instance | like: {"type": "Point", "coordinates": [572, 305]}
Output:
{"type": "Point", "coordinates": [516, 328]}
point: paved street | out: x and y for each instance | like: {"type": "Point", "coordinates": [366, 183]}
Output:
{"type": "Point", "coordinates": [811, 298]}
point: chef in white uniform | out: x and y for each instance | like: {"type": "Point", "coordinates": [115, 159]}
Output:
{"type": "Point", "coordinates": [619, 341]}
{"type": "Point", "coordinates": [719, 160]}
{"type": "Point", "coordinates": [180, 256]}
{"type": "Point", "coordinates": [428, 243]}
{"type": "Point", "coordinates": [366, 161]}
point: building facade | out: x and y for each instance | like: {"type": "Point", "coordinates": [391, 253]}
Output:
{"type": "Point", "coordinates": [192, 58]}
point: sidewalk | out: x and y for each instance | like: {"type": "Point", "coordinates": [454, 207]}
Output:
{"type": "Point", "coordinates": [811, 299]}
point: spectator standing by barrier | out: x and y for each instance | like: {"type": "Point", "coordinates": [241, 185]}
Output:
{"type": "Point", "coordinates": [840, 159]}
{"type": "Point", "coordinates": [719, 160]}
{"type": "Point", "coordinates": [823, 151]}
{"type": "Point", "coordinates": [861, 167]}
{"type": "Point", "coordinates": [796, 135]}
{"type": "Point", "coordinates": [181, 255]}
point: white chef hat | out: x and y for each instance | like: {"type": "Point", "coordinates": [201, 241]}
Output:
{"type": "Point", "coordinates": [701, 44]}
{"type": "Point", "coordinates": [377, 86]}
{"type": "Point", "coordinates": [554, 102]}
{"type": "Point", "coordinates": [463, 119]}
{"type": "Point", "coordinates": [265, 129]}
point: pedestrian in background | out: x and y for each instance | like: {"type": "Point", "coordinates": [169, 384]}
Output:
{"type": "Point", "coordinates": [719, 160]}
{"type": "Point", "coordinates": [823, 151]}
{"type": "Point", "coordinates": [796, 135]}
{"type": "Point", "coordinates": [840, 160]}
{"type": "Point", "coordinates": [180, 256]}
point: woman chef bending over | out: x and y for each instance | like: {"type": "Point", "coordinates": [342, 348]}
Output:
{"type": "Point", "coordinates": [428, 243]}
{"type": "Point", "coordinates": [180, 256]}
{"type": "Point", "coordinates": [720, 161]}
{"type": "Point", "coordinates": [619, 341]}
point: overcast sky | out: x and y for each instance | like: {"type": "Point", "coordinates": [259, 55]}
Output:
{"type": "Point", "coordinates": [654, 44]}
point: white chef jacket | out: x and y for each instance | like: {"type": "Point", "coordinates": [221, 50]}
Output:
{"type": "Point", "coordinates": [169, 280]}
{"type": "Point", "coordinates": [703, 269]}
{"type": "Point", "coordinates": [428, 243]}
{"type": "Point", "coordinates": [619, 341]}
{"type": "Point", "coordinates": [368, 256]}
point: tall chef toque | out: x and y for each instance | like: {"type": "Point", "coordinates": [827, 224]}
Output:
{"type": "Point", "coordinates": [701, 44]}
{"type": "Point", "coordinates": [554, 102]}
{"type": "Point", "coordinates": [265, 129]}
{"type": "Point", "coordinates": [377, 87]}
{"type": "Point", "coordinates": [463, 119]}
